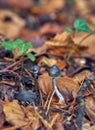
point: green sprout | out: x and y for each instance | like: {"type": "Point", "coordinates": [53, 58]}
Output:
{"type": "Point", "coordinates": [80, 25]}
{"type": "Point", "coordinates": [22, 47]}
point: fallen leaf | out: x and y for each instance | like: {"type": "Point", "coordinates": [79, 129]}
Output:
{"type": "Point", "coordinates": [88, 42]}
{"type": "Point", "coordinates": [61, 64]}
{"type": "Point", "coordinates": [47, 6]}
{"type": "Point", "coordinates": [61, 39]}
{"type": "Point", "coordinates": [50, 28]}
{"type": "Point", "coordinates": [63, 83]}
{"type": "Point", "coordinates": [10, 23]}
{"type": "Point", "coordinates": [45, 83]}
{"type": "Point", "coordinates": [87, 126]}
{"type": "Point", "coordinates": [46, 61]}
{"type": "Point", "coordinates": [2, 117]}
{"type": "Point", "coordinates": [90, 107]}
{"type": "Point", "coordinates": [23, 4]}
{"type": "Point", "coordinates": [14, 114]}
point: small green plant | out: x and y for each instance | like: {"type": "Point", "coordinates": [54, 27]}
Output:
{"type": "Point", "coordinates": [79, 25]}
{"type": "Point", "coordinates": [18, 46]}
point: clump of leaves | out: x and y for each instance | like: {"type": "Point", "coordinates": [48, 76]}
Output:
{"type": "Point", "coordinates": [19, 46]}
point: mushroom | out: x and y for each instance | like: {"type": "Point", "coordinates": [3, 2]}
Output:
{"type": "Point", "coordinates": [35, 70]}
{"type": "Point", "coordinates": [55, 72]}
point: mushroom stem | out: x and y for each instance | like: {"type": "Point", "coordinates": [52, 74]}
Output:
{"type": "Point", "coordinates": [56, 89]}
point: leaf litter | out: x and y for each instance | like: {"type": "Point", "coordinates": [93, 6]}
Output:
{"type": "Point", "coordinates": [28, 100]}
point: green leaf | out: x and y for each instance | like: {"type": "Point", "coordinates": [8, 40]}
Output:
{"type": "Point", "coordinates": [9, 45]}
{"type": "Point", "coordinates": [81, 25]}
{"type": "Point", "coordinates": [69, 29]}
{"type": "Point", "coordinates": [18, 42]}
{"type": "Point", "coordinates": [31, 56]}
{"type": "Point", "coordinates": [24, 47]}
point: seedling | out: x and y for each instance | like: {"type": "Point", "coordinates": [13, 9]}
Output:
{"type": "Point", "coordinates": [19, 48]}
{"type": "Point", "coordinates": [79, 25]}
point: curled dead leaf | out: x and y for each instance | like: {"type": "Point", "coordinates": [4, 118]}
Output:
{"type": "Point", "coordinates": [60, 40]}
{"type": "Point", "coordinates": [47, 61]}
{"type": "Point", "coordinates": [10, 23]}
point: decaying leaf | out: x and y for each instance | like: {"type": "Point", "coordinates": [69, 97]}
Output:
{"type": "Point", "coordinates": [14, 114]}
{"type": "Point", "coordinates": [45, 83]}
{"type": "Point", "coordinates": [50, 28]}
{"type": "Point", "coordinates": [63, 83]}
{"type": "Point", "coordinates": [89, 42]}
{"type": "Point", "coordinates": [61, 39]}
{"type": "Point", "coordinates": [10, 23]}
{"type": "Point", "coordinates": [87, 126]}
{"type": "Point", "coordinates": [47, 6]}
{"type": "Point", "coordinates": [90, 107]}
{"type": "Point", "coordinates": [47, 61]}
{"type": "Point", "coordinates": [2, 117]}
{"type": "Point", "coordinates": [23, 4]}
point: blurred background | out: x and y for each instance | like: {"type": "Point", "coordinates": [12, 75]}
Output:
{"type": "Point", "coordinates": [38, 20]}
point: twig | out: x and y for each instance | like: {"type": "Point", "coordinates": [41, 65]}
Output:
{"type": "Point", "coordinates": [80, 100]}
{"type": "Point", "coordinates": [75, 122]}
{"type": "Point", "coordinates": [9, 67]}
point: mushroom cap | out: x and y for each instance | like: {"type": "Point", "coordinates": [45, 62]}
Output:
{"type": "Point", "coordinates": [35, 68]}
{"type": "Point", "coordinates": [54, 71]}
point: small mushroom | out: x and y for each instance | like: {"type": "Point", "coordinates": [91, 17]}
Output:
{"type": "Point", "coordinates": [35, 70]}
{"type": "Point", "coordinates": [54, 73]}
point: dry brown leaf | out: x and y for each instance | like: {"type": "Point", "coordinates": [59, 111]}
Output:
{"type": "Point", "coordinates": [10, 28]}
{"type": "Point", "coordinates": [60, 44]}
{"type": "Point", "coordinates": [58, 126]}
{"type": "Point", "coordinates": [45, 83]}
{"type": "Point", "coordinates": [60, 40]}
{"type": "Point", "coordinates": [88, 42]}
{"type": "Point", "coordinates": [61, 64]}
{"type": "Point", "coordinates": [2, 117]}
{"type": "Point", "coordinates": [85, 7]}
{"type": "Point", "coordinates": [33, 119]}
{"type": "Point", "coordinates": [90, 107]}
{"type": "Point", "coordinates": [14, 114]}
{"type": "Point", "coordinates": [27, 34]}
{"type": "Point", "coordinates": [50, 28]}
{"type": "Point", "coordinates": [47, 6]}
{"type": "Point", "coordinates": [66, 83]}
{"type": "Point", "coordinates": [87, 126]}
{"type": "Point", "coordinates": [57, 5]}
{"type": "Point", "coordinates": [79, 78]}
{"type": "Point", "coordinates": [82, 7]}
{"type": "Point", "coordinates": [63, 83]}
{"type": "Point", "coordinates": [23, 4]}
{"type": "Point", "coordinates": [47, 61]}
